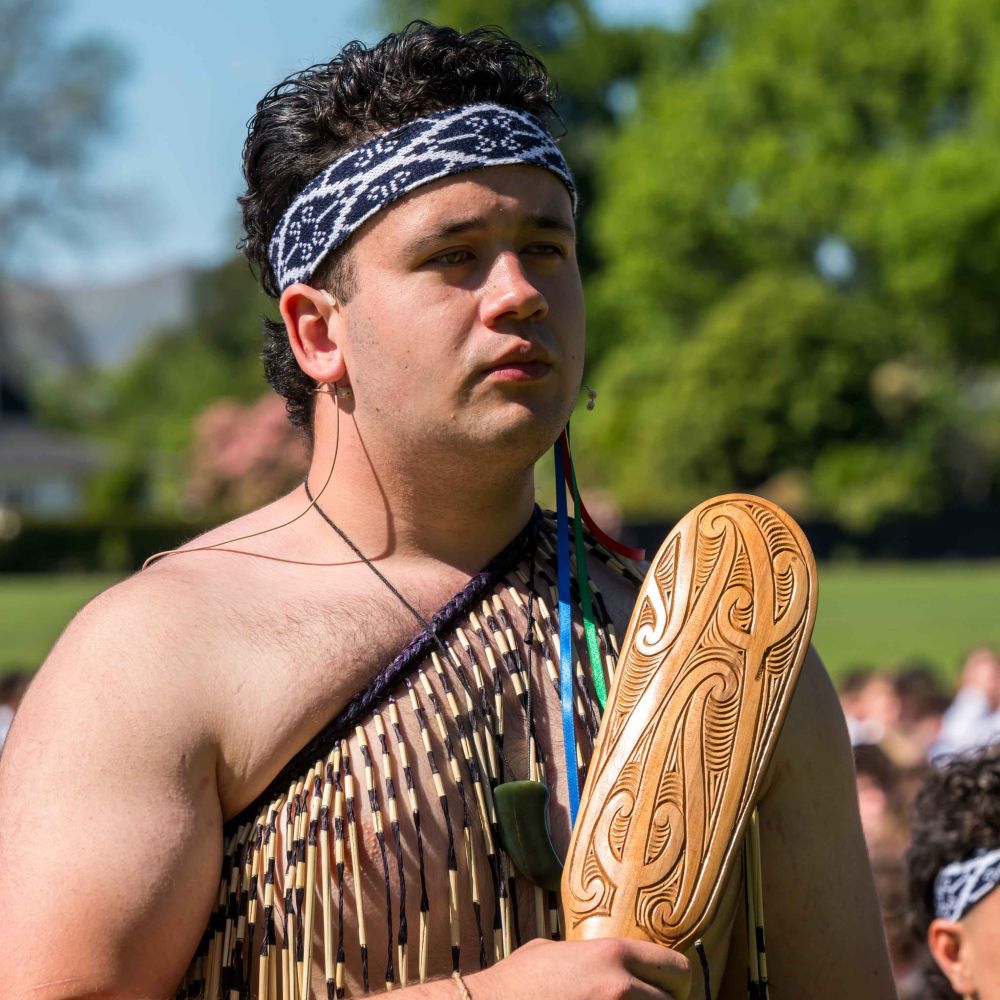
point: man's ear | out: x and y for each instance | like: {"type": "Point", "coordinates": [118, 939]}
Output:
{"type": "Point", "coordinates": [950, 950]}
{"type": "Point", "coordinates": [315, 323]}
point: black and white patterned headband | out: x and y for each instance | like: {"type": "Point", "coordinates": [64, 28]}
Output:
{"type": "Point", "coordinates": [334, 204]}
{"type": "Point", "coordinates": [960, 885]}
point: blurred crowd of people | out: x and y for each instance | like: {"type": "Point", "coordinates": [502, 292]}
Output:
{"type": "Point", "coordinates": [13, 683]}
{"type": "Point", "coordinates": [908, 730]}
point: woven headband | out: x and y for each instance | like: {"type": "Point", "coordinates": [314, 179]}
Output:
{"type": "Point", "coordinates": [335, 203]}
{"type": "Point", "coordinates": [962, 884]}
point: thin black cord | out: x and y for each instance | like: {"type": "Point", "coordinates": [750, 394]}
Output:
{"type": "Point", "coordinates": [430, 630]}
{"type": "Point", "coordinates": [700, 949]}
{"type": "Point", "coordinates": [402, 600]}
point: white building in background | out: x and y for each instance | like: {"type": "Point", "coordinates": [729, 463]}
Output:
{"type": "Point", "coordinates": [43, 330]}
{"type": "Point", "coordinates": [43, 472]}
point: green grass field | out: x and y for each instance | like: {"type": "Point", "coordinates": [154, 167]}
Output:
{"type": "Point", "coordinates": [885, 613]}
{"type": "Point", "coordinates": [876, 613]}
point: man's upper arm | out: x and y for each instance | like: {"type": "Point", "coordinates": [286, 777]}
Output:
{"type": "Point", "coordinates": [824, 929]}
{"type": "Point", "coordinates": [110, 845]}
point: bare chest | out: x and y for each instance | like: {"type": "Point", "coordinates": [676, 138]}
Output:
{"type": "Point", "coordinates": [296, 651]}
{"type": "Point", "coordinates": [294, 655]}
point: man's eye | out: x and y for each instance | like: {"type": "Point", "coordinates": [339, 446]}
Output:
{"type": "Point", "coordinates": [546, 249]}
{"type": "Point", "coordinates": [452, 257]}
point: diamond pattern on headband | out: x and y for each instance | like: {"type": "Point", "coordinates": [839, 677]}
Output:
{"type": "Point", "coordinates": [334, 204]}
{"type": "Point", "coordinates": [962, 884]}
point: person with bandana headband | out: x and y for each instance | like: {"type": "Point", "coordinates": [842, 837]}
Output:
{"type": "Point", "coordinates": [270, 764]}
{"type": "Point", "coordinates": [954, 873]}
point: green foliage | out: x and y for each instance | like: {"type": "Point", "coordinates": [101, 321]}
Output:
{"type": "Point", "coordinates": [800, 240]}
{"type": "Point", "coordinates": [112, 544]}
{"type": "Point", "coordinates": [145, 411]}
{"type": "Point", "coordinates": [782, 376]}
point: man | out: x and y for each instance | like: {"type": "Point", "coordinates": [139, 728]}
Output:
{"type": "Point", "coordinates": [433, 354]}
{"type": "Point", "coordinates": [954, 871]}
{"type": "Point", "coordinates": [973, 718]}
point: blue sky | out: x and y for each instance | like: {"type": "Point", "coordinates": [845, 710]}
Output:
{"type": "Point", "coordinates": [198, 69]}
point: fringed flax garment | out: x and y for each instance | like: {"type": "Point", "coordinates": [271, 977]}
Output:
{"type": "Point", "coordinates": [373, 859]}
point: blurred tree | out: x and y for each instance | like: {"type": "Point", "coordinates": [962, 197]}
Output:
{"type": "Point", "coordinates": [56, 104]}
{"type": "Point", "coordinates": [800, 237]}
{"type": "Point", "coordinates": [789, 388]}
{"type": "Point", "coordinates": [243, 456]}
{"type": "Point", "coordinates": [596, 66]}
{"type": "Point", "coordinates": [147, 411]}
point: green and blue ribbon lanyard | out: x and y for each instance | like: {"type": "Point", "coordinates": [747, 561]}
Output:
{"type": "Point", "coordinates": [522, 805]}
{"type": "Point", "coordinates": [566, 477]}
{"type": "Point", "coordinates": [566, 631]}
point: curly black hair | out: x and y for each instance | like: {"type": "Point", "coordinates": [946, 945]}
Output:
{"type": "Point", "coordinates": [318, 114]}
{"type": "Point", "coordinates": [956, 812]}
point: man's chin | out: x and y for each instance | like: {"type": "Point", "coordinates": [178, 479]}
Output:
{"type": "Point", "coordinates": [525, 437]}
{"type": "Point", "coordinates": [503, 435]}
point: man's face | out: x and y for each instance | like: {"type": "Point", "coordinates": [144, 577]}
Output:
{"type": "Point", "coordinates": [466, 328]}
{"type": "Point", "coordinates": [969, 951]}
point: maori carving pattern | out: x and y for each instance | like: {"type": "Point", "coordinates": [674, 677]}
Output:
{"type": "Point", "coordinates": [708, 667]}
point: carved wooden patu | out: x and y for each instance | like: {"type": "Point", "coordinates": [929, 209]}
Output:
{"type": "Point", "coordinates": [707, 670]}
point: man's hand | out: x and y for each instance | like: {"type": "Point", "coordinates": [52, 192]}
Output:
{"type": "Point", "coordinates": [603, 969]}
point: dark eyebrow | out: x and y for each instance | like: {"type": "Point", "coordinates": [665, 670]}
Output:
{"type": "Point", "coordinates": [542, 220]}
{"type": "Point", "coordinates": [536, 220]}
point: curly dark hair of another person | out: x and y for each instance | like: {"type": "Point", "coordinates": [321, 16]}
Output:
{"type": "Point", "coordinates": [315, 116]}
{"type": "Point", "coordinates": [956, 812]}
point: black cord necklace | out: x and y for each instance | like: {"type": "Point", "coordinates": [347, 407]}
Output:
{"type": "Point", "coordinates": [521, 806]}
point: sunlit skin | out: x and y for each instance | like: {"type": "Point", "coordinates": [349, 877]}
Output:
{"type": "Point", "coordinates": [968, 950]}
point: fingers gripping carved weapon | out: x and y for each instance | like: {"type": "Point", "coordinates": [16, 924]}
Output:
{"type": "Point", "coordinates": [705, 678]}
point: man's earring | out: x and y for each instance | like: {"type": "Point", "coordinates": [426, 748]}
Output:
{"type": "Point", "coordinates": [591, 397]}
{"type": "Point", "coordinates": [332, 389]}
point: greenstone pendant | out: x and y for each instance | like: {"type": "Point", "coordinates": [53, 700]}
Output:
{"type": "Point", "coordinates": [523, 820]}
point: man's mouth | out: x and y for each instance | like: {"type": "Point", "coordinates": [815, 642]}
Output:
{"type": "Point", "coordinates": [519, 371]}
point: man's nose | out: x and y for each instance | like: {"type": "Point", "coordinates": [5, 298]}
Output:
{"type": "Point", "coordinates": [508, 293]}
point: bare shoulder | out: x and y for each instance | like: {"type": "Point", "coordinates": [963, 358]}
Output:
{"type": "Point", "coordinates": [165, 632]}
{"type": "Point", "coordinates": [131, 683]}
{"type": "Point", "coordinates": [825, 935]}
{"type": "Point", "coordinates": [815, 727]}
{"type": "Point", "coordinates": [108, 783]}
{"type": "Point", "coordinates": [148, 638]}
{"type": "Point", "coordinates": [128, 685]}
